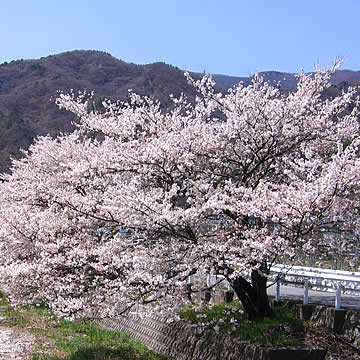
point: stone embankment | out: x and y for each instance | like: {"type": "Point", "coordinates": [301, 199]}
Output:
{"type": "Point", "coordinates": [343, 322]}
{"type": "Point", "coordinates": [182, 341]}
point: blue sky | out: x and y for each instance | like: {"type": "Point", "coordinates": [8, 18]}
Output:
{"type": "Point", "coordinates": [235, 37]}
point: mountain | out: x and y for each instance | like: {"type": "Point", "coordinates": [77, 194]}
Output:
{"type": "Point", "coordinates": [27, 87]}
{"type": "Point", "coordinates": [283, 79]}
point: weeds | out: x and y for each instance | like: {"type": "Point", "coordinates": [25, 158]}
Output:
{"type": "Point", "coordinates": [230, 318]}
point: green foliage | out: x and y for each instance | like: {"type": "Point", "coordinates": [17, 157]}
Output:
{"type": "Point", "coordinates": [84, 341]}
{"type": "Point", "coordinates": [40, 69]}
{"type": "Point", "coordinates": [72, 340]}
{"type": "Point", "coordinates": [15, 317]}
{"type": "Point", "coordinates": [230, 318]}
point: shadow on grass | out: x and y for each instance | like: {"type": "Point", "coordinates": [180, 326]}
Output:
{"type": "Point", "coordinates": [102, 353]}
{"type": "Point", "coordinates": [90, 352]}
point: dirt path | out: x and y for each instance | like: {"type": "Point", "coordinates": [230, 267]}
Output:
{"type": "Point", "coordinates": [14, 345]}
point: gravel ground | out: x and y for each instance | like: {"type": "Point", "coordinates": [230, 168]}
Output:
{"type": "Point", "coordinates": [13, 344]}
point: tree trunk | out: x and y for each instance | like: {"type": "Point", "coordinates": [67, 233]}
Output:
{"type": "Point", "coordinates": [253, 295]}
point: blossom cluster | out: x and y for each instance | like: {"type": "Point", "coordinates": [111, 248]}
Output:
{"type": "Point", "coordinates": [222, 185]}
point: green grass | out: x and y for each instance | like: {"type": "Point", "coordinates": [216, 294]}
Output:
{"type": "Point", "coordinates": [282, 329]}
{"type": "Point", "coordinates": [66, 340]}
{"type": "Point", "coordinates": [83, 341]}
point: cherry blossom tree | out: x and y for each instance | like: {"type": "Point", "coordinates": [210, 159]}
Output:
{"type": "Point", "coordinates": [117, 215]}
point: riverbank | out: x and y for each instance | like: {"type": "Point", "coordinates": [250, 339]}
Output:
{"type": "Point", "coordinates": [35, 334]}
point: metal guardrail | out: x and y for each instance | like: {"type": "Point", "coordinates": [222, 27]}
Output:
{"type": "Point", "coordinates": [326, 280]}
{"type": "Point", "coordinates": [338, 281]}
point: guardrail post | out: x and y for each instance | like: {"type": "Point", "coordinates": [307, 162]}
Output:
{"type": "Point", "coordinates": [190, 280]}
{"type": "Point", "coordinates": [206, 295]}
{"type": "Point", "coordinates": [277, 294]}
{"type": "Point", "coordinates": [338, 297]}
{"type": "Point", "coordinates": [189, 287]}
{"type": "Point", "coordinates": [208, 280]}
{"type": "Point", "coordinates": [229, 293]}
{"type": "Point", "coordinates": [306, 292]}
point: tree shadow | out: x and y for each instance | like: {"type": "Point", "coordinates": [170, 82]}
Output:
{"type": "Point", "coordinates": [103, 353]}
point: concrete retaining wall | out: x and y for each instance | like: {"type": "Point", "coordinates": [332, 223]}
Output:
{"type": "Point", "coordinates": [344, 322]}
{"type": "Point", "coordinates": [182, 341]}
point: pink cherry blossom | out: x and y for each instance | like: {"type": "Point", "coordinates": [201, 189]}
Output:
{"type": "Point", "coordinates": [225, 185]}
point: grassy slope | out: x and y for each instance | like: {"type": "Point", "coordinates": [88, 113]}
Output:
{"type": "Point", "coordinates": [65, 340]}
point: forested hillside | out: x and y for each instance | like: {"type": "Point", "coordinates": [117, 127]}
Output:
{"type": "Point", "coordinates": [28, 87]}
